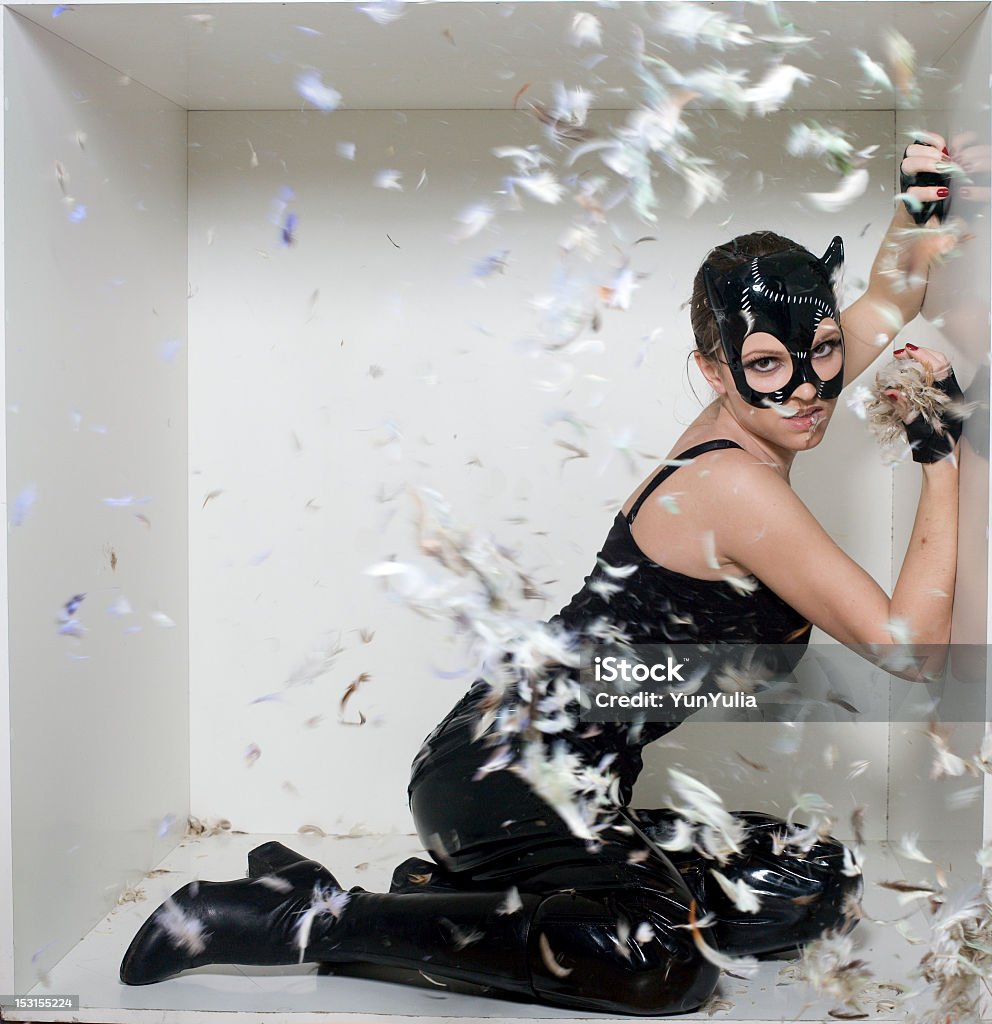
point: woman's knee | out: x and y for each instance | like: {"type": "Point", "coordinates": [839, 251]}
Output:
{"type": "Point", "coordinates": [597, 952]}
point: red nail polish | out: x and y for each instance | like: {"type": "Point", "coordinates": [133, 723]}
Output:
{"type": "Point", "coordinates": [898, 351]}
{"type": "Point", "coordinates": [944, 151]}
{"type": "Point", "coordinates": [943, 193]}
{"type": "Point", "coordinates": [912, 348]}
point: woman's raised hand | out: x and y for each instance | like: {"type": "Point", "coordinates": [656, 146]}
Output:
{"type": "Point", "coordinates": [923, 174]}
{"type": "Point", "coordinates": [926, 443]}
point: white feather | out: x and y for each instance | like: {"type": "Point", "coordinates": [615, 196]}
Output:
{"type": "Point", "coordinates": [744, 897]}
{"type": "Point", "coordinates": [185, 930]}
{"type": "Point", "coordinates": [850, 187]}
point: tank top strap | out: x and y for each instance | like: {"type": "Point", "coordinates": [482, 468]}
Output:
{"type": "Point", "coordinates": [666, 471]}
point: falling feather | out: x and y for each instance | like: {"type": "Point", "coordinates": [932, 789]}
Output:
{"type": "Point", "coordinates": [586, 30]}
{"type": "Point", "coordinates": [621, 941]}
{"type": "Point", "coordinates": [873, 72]}
{"type": "Point", "coordinates": [830, 968]}
{"type": "Point", "coordinates": [388, 178]}
{"type": "Point", "coordinates": [693, 23]}
{"type": "Point", "coordinates": [126, 502]}
{"type": "Point", "coordinates": [945, 762]}
{"type": "Point", "coordinates": [775, 88]}
{"type": "Point", "coordinates": [204, 21]}
{"type": "Point", "coordinates": [851, 866]}
{"type": "Point", "coordinates": [548, 957]}
{"type": "Point", "coordinates": [743, 585]}
{"type": "Point", "coordinates": [22, 503]}
{"type": "Point", "coordinates": [908, 847]}
{"type": "Point", "coordinates": [382, 12]}
{"type": "Point", "coordinates": [184, 929]}
{"type": "Point", "coordinates": [859, 400]}
{"type": "Point", "coordinates": [460, 937]}
{"type": "Point", "coordinates": [544, 186]}
{"type": "Point", "coordinates": [329, 900]}
{"type": "Point", "coordinates": [858, 824]}
{"type": "Point", "coordinates": [735, 966]}
{"type": "Point", "coordinates": [743, 896]}
{"type": "Point", "coordinates": [683, 837]}
{"type": "Point", "coordinates": [810, 138]}
{"type": "Point", "coordinates": [902, 61]}
{"type": "Point", "coordinates": [850, 188]}
{"type": "Point", "coordinates": [908, 891]}
{"type": "Point", "coordinates": [722, 834]}
{"type": "Point", "coordinates": [311, 87]}
{"type": "Point", "coordinates": [69, 625]}
{"type": "Point", "coordinates": [512, 904]}
{"type": "Point", "coordinates": [275, 883]}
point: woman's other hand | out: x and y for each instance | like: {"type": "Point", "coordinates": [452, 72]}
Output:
{"type": "Point", "coordinates": [926, 443]}
{"type": "Point", "coordinates": [924, 175]}
{"type": "Point", "coordinates": [939, 364]}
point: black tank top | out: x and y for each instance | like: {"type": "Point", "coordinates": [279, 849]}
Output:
{"type": "Point", "coordinates": [654, 605]}
{"type": "Point", "coordinates": [660, 605]}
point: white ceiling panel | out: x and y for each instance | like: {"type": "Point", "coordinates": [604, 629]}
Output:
{"type": "Point", "coordinates": [479, 55]}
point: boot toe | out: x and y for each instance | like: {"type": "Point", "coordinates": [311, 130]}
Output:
{"type": "Point", "coordinates": [167, 943]}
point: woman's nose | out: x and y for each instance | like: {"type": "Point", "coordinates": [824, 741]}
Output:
{"type": "Point", "coordinates": [805, 392]}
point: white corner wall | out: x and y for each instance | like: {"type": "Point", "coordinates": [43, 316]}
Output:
{"type": "Point", "coordinates": [955, 320]}
{"type": "Point", "coordinates": [326, 373]}
{"type": "Point", "coordinates": [95, 411]}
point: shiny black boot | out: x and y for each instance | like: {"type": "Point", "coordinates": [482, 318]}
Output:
{"type": "Point", "coordinates": [802, 896]}
{"type": "Point", "coordinates": [565, 948]}
{"type": "Point", "coordinates": [280, 862]}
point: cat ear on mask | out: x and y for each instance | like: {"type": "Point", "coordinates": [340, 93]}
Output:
{"type": "Point", "coordinates": [833, 258]}
{"type": "Point", "coordinates": [715, 292]}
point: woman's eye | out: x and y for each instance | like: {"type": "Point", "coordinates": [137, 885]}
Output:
{"type": "Point", "coordinates": [755, 364]}
{"type": "Point", "coordinates": [826, 348]}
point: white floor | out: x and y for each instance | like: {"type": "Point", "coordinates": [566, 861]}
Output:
{"type": "Point", "coordinates": [274, 995]}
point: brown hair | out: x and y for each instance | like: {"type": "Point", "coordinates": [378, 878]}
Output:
{"type": "Point", "coordinates": [734, 253]}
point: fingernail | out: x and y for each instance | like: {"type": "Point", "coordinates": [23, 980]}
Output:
{"type": "Point", "coordinates": [912, 348]}
{"type": "Point", "coordinates": [944, 151]}
{"type": "Point", "coordinates": [898, 351]}
{"type": "Point", "coordinates": [943, 193]}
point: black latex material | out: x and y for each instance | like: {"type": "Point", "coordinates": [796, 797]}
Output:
{"type": "Point", "coordinates": [802, 895]}
{"type": "Point", "coordinates": [461, 936]}
{"type": "Point", "coordinates": [939, 208]}
{"type": "Point", "coordinates": [786, 295]}
{"type": "Point", "coordinates": [491, 835]}
{"type": "Point", "coordinates": [657, 605]}
{"type": "Point", "coordinates": [926, 443]}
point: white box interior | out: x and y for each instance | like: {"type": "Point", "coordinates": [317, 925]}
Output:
{"type": "Point", "coordinates": [209, 431]}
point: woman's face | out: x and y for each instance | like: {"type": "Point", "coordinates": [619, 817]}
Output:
{"type": "Point", "coordinates": [768, 367]}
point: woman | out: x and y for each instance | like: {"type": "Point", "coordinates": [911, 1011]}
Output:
{"type": "Point", "coordinates": [516, 900]}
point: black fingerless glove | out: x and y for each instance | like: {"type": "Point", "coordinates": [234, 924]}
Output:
{"type": "Point", "coordinates": [927, 445]}
{"type": "Point", "coordinates": [926, 179]}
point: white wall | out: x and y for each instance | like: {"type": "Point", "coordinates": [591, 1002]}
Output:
{"type": "Point", "coordinates": [955, 320]}
{"type": "Point", "coordinates": [287, 423]}
{"type": "Point", "coordinates": [99, 745]}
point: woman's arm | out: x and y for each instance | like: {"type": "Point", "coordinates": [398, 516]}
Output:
{"type": "Point", "coordinates": [924, 591]}
{"type": "Point", "coordinates": [898, 280]}
{"type": "Point", "coordinates": [773, 535]}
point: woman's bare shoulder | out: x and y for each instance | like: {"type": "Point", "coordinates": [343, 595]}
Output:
{"type": "Point", "coordinates": [717, 461]}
